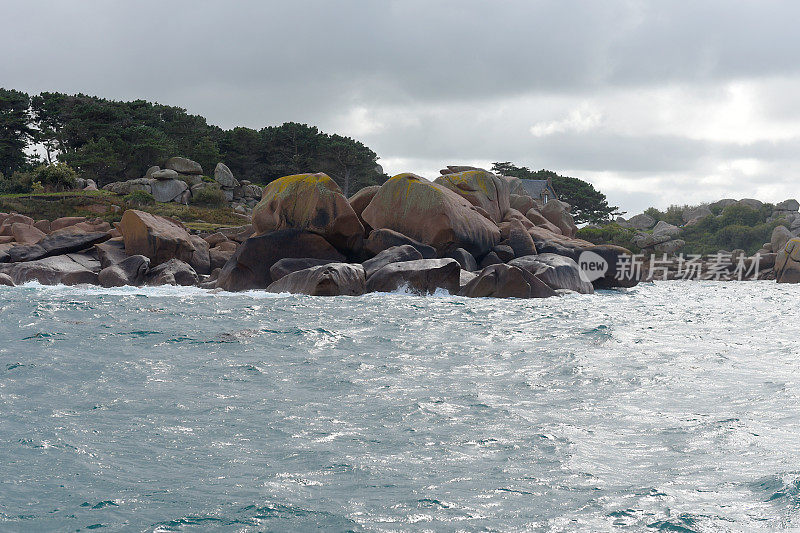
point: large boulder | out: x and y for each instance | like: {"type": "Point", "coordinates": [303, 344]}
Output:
{"type": "Point", "coordinates": [719, 205]}
{"type": "Point", "coordinates": [166, 174]}
{"type": "Point", "coordinates": [665, 229]}
{"type": "Point", "coordinates": [506, 281]}
{"type": "Point", "coordinates": [432, 214]}
{"type": "Point", "coordinates": [555, 211]}
{"type": "Point", "coordinates": [360, 200]}
{"type": "Point", "coordinates": [201, 259]}
{"type": "Point", "coordinates": [172, 272]}
{"type": "Point", "coordinates": [383, 239]}
{"type": "Point", "coordinates": [110, 252]}
{"type": "Point", "coordinates": [787, 262]}
{"type": "Point", "coordinates": [423, 276]}
{"type": "Point", "coordinates": [157, 238]}
{"type": "Point", "coordinates": [6, 281]}
{"type": "Point", "coordinates": [557, 271]}
{"type": "Point", "coordinates": [335, 279]}
{"type": "Point", "coordinates": [224, 176]}
{"type": "Point", "coordinates": [521, 202]}
{"type": "Point", "coordinates": [642, 221]}
{"type": "Point", "coordinates": [286, 266]}
{"type": "Point", "coordinates": [395, 254]}
{"type": "Point", "coordinates": [249, 268]}
{"type": "Point", "coordinates": [696, 213]}
{"type": "Point", "coordinates": [464, 258]}
{"type": "Point", "coordinates": [25, 234]}
{"type": "Point", "coordinates": [65, 222]}
{"type": "Point", "coordinates": [168, 190]}
{"type": "Point", "coordinates": [780, 236]}
{"type": "Point", "coordinates": [790, 205]}
{"type": "Point", "coordinates": [517, 237]}
{"type": "Point", "coordinates": [669, 247]}
{"type": "Point", "coordinates": [310, 202]}
{"type": "Point", "coordinates": [515, 186]}
{"type": "Point", "coordinates": [620, 271]}
{"type": "Point", "coordinates": [538, 219]}
{"type": "Point", "coordinates": [218, 256]}
{"type": "Point", "coordinates": [130, 271]}
{"type": "Point", "coordinates": [57, 243]}
{"type": "Point", "coordinates": [752, 203]}
{"type": "Point", "coordinates": [69, 269]}
{"type": "Point", "coordinates": [127, 187]}
{"type": "Point", "coordinates": [183, 165]}
{"type": "Point", "coordinates": [480, 188]}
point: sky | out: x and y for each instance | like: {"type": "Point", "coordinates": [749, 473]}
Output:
{"type": "Point", "coordinates": [655, 103]}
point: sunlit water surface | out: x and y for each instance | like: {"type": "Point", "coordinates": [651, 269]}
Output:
{"type": "Point", "coordinates": [673, 406]}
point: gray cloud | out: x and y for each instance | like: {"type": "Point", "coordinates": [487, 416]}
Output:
{"type": "Point", "coordinates": [427, 83]}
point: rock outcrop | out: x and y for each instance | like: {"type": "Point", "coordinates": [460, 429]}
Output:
{"type": "Point", "coordinates": [506, 281]}
{"type": "Point", "coordinates": [249, 268]}
{"type": "Point", "coordinates": [432, 214]}
{"type": "Point", "coordinates": [383, 239]}
{"type": "Point", "coordinates": [309, 202]}
{"type": "Point", "coordinates": [787, 262]}
{"type": "Point", "coordinates": [557, 271]}
{"type": "Point", "coordinates": [481, 189]}
{"type": "Point", "coordinates": [130, 271]}
{"type": "Point", "coordinates": [334, 279]}
{"type": "Point", "coordinates": [155, 237]}
{"type": "Point", "coordinates": [395, 254]}
{"type": "Point", "coordinates": [423, 276]}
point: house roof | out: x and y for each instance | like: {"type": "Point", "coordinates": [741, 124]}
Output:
{"type": "Point", "coordinates": [534, 187]}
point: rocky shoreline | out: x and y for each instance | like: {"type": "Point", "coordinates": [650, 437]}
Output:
{"type": "Point", "coordinates": [469, 232]}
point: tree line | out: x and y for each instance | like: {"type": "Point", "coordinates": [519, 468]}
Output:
{"type": "Point", "coordinates": [588, 204]}
{"type": "Point", "coordinates": [109, 141]}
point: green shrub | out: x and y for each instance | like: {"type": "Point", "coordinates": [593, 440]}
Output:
{"type": "Point", "coordinates": [209, 197]}
{"type": "Point", "coordinates": [609, 234]}
{"type": "Point", "coordinates": [18, 183]}
{"type": "Point", "coordinates": [139, 199]}
{"type": "Point", "coordinates": [57, 177]}
{"type": "Point", "coordinates": [673, 215]}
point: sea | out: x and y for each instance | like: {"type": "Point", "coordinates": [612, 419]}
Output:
{"type": "Point", "coordinates": [672, 406]}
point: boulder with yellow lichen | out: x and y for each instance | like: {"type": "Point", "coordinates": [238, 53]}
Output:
{"type": "Point", "coordinates": [431, 213]}
{"type": "Point", "coordinates": [309, 202]}
{"type": "Point", "coordinates": [480, 188]}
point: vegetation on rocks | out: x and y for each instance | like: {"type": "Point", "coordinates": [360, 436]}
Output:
{"type": "Point", "coordinates": [110, 206]}
{"type": "Point", "coordinates": [209, 197]}
{"type": "Point", "coordinates": [609, 234]}
{"type": "Point", "coordinates": [725, 226]}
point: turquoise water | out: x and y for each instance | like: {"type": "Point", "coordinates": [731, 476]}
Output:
{"type": "Point", "coordinates": [669, 407]}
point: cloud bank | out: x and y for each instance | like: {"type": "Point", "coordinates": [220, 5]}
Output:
{"type": "Point", "coordinates": [653, 102]}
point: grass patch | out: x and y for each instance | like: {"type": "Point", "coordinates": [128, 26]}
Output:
{"type": "Point", "coordinates": [110, 206]}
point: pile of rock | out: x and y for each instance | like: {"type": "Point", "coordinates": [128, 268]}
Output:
{"type": "Point", "coordinates": [181, 178]}
{"type": "Point", "coordinates": [653, 237]}
{"type": "Point", "coordinates": [788, 211]}
{"type": "Point", "coordinates": [459, 233]}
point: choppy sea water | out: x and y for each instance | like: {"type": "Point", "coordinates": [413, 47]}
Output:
{"type": "Point", "coordinates": [673, 407]}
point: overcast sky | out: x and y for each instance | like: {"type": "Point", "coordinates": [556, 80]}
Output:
{"type": "Point", "coordinates": [655, 102]}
